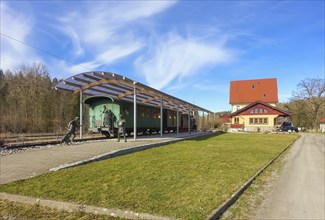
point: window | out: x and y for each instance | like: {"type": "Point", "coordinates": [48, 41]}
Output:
{"type": "Point", "coordinates": [258, 121]}
{"type": "Point", "coordinates": [258, 110]}
{"type": "Point", "coordinates": [236, 120]}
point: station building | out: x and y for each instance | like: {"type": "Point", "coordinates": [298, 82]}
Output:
{"type": "Point", "coordinates": [253, 105]}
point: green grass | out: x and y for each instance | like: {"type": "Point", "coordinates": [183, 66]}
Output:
{"type": "Point", "coordinates": [185, 180]}
{"type": "Point", "coordinates": [250, 201]}
{"type": "Point", "coordinates": [15, 210]}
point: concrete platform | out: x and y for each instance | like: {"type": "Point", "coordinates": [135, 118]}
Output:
{"type": "Point", "coordinates": [31, 163]}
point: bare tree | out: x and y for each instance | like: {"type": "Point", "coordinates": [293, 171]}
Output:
{"type": "Point", "coordinates": [29, 104]}
{"type": "Point", "coordinates": [309, 100]}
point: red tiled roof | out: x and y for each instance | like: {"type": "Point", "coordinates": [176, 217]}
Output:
{"type": "Point", "coordinates": [322, 120]}
{"type": "Point", "coordinates": [247, 91]}
{"type": "Point", "coordinates": [272, 110]}
{"type": "Point", "coordinates": [225, 118]}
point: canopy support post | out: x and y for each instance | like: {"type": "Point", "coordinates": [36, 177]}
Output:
{"type": "Point", "coordinates": [161, 117]}
{"type": "Point", "coordinates": [80, 120]}
{"type": "Point", "coordinates": [189, 120]}
{"type": "Point", "coordinates": [135, 113]}
{"type": "Point", "coordinates": [177, 119]}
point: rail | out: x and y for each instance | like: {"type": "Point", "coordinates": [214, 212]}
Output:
{"type": "Point", "coordinates": [25, 140]}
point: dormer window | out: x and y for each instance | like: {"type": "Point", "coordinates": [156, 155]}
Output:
{"type": "Point", "coordinates": [258, 110]}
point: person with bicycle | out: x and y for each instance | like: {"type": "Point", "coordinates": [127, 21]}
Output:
{"type": "Point", "coordinates": [70, 135]}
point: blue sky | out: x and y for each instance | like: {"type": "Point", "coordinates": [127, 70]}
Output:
{"type": "Point", "coordinates": [189, 49]}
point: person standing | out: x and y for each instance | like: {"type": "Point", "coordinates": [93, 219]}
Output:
{"type": "Point", "coordinates": [105, 116]}
{"type": "Point", "coordinates": [121, 128]}
{"type": "Point", "coordinates": [107, 119]}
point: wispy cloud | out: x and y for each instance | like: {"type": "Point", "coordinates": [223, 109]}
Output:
{"type": "Point", "coordinates": [90, 35]}
{"type": "Point", "coordinates": [20, 26]}
{"type": "Point", "coordinates": [104, 32]}
{"type": "Point", "coordinates": [175, 58]}
{"type": "Point", "coordinates": [78, 50]}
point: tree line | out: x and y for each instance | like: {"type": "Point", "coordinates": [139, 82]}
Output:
{"type": "Point", "coordinates": [29, 104]}
{"type": "Point", "coordinates": [307, 104]}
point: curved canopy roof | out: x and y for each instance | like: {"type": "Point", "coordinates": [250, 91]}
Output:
{"type": "Point", "coordinates": [122, 88]}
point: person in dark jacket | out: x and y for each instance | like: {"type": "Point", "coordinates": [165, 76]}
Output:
{"type": "Point", "coordinates": [70, 135]}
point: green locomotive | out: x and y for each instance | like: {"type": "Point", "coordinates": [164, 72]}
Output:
{"type": "Point", "coordinates": [104, 113]}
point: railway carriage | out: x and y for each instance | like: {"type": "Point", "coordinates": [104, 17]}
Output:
{"type": "Point", "coordinates": [104, 113]}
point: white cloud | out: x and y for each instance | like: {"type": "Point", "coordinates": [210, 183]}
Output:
{"type": "Point", "coordinates": [116, 52]}
{"type": "Point", "coordinates": [102, 30]}
{"type": "Point", "coordinates": [177, 57]}
{"type": "Point", "coordinates": [130, 11]}
{"type": "Point", "coordinates": [78, 51]}
{"type": "Point", "coordinates": [15, 27]}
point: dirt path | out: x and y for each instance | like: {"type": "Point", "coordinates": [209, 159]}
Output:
{"type": "Point", "coordinates": [300, 188]}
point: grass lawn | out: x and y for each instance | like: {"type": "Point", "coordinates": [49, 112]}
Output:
{"type": "Point", "coordinates": [185, 180]}
{"type": "Point", "coordinates": [12, 210]}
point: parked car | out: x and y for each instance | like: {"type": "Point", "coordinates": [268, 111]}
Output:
{"type": "Point", "coordinates": [287, 126]}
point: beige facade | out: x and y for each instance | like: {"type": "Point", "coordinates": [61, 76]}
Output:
{"type": "Point", "coordinates": [255, 123]}
{"type": "Point", "coordinates": [257, 117]}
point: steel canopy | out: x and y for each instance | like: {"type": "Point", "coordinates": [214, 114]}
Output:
{"type": "Point", "coordinates": [122, 88]}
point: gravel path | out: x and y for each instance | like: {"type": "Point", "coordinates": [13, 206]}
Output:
{"type": "Point", "coordinates": [300, 188]}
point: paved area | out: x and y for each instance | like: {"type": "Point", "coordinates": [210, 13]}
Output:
{"type": "Point", "coordinates": [35, 162]}
{"type": "Point", "coordinates": [300, 188]}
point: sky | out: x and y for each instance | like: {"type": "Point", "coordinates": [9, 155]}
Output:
{"type": "Point", "coordinates": [188, 49]}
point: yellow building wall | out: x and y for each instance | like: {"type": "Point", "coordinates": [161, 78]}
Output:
{"type": "Point", "coordinates": [241, 120]}
{"type": "Point", "coordinates": [270, 120]}
{"type": "Point", "coordinates": [236, 107]}
{"type": "Point", "coordinates": [245, 120]}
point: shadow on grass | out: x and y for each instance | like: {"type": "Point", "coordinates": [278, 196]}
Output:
{"type": "Point", "coordinates": [209, 136]}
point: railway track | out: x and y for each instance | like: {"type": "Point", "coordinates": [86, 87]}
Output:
{"type": "Point", "coordinates": [12, 141]}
